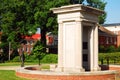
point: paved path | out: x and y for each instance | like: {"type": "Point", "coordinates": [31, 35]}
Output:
{"type": "Point", "coordinates": [11, 67]}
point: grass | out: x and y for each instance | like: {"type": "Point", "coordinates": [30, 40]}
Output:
{"type": "Point", "coordinates": [45, 66]}
{"type": "Point", "coordinates": [9, 75]}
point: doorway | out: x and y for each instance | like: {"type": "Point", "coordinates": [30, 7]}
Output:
{"type": "Point", "coordinates": [85, 45]}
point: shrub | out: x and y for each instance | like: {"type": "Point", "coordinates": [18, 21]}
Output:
{"type": "Point", "coordinates": [16, 59]}
{"type": "Point", "coordinates": [111, 57]}
{"type": "Point", "coordinates": [30, 58]}
{"type": "Point", "coordinates": [38, 51]}
{"type": "Point", "coordinates": [50, 58]}
{"type": "Point", "coordinates": [118, 49]}
{"type": "Point", "coordinates": [101, 48]}
{"type": "Point", "coordinates": [111, 49]}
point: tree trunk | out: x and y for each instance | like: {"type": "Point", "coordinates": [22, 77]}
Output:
{"type": "Point", "coordinates": [43, 38]}
{"type": "Point", "coordinates": [39, 61]}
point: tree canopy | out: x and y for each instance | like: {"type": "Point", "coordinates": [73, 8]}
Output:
{"type": "Point", "coordinates": [22, 17]}
{"type": "Point", "coordinates": [100, 4]}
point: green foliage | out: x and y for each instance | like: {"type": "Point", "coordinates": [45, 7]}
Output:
{"type": "Point", "coordinates": [50, 58]}
{"type": "Point", "coordinates": [118, 49]}
{"type": "Point", "coordinates": [112, 57]}
{"type": "Point", "coordinates": [16, 59]}
{"type": "Point", "coordinates": [100, 4]}
{"type": "Point", "coordinates": [101, 48]}
{"type": "Point", "coordinates": [38, 51]}
{"type": "Point", "coordinates": [9, 75]}
{"type": "Point", "coordinates": [18, 18]}
{"type": "Point", "coordinates": [111, 49]}
{"type": "Point", "coordinates": [30, 58]}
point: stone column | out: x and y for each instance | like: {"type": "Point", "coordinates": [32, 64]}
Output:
{"type": "Point", "coordinates": [91, 46]}
{"type": "Point", "coordinates": [79, 49]}
{"type": "Point", "coordinates": [96, 67]}
{"type": "Point", "coordinates": [60, 47]}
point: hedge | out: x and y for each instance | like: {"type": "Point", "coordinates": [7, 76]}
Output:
{"type": "Point", "coordinates": [112, 58]}
{"type": "Point", "coordinates": [48, 58]}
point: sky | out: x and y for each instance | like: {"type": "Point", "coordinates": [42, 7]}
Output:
{"type": "Point", "coordinates": [38, 31]}
{"type": "Point", "coordinates": [113, 11]}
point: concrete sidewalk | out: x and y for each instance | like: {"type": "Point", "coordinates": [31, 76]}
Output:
{"type": "Point", "coordinates": [9, 67]}
{"type": "Point", "coordinates": [12, 67]}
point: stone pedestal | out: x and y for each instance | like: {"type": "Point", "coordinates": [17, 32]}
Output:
{"type": "Point", "coordinates": [77, 38]}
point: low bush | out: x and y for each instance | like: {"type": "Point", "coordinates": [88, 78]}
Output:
{"type": "Point", "coordinates": [112, 58]}
{"type": "Point", "coordinates": [118, 49]}
{"type": "Point", "coordinates": [16, 59]}
{"type": "Point", "coordinates": [101, 48]}
{"type": "Point", "coordinates": [50, 58]}
{"type": "Point", "coordinates": [111, 49]}
{"type": "Point", "coordinates": [30, 58]}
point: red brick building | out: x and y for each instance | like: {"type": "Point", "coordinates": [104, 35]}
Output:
{"type": "Point", "coordinates": [109, 35]}
{"type": "Point", "coordinates": [27, 45]}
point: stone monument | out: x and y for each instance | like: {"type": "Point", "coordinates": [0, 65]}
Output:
{"type": "Point", "coordinates": [77, 38]}
{"type": "Point", "coordinates": [77, 47]}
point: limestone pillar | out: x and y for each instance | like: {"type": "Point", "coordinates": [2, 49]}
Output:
{"type": "Point", "coordinates": [95, 57]}
{"type": "Point", "coordinates": [91, 46]}
{"type": "Point", "coordinates": [60, 47]}
{"type": "Point", "coordinates": [79, 48]}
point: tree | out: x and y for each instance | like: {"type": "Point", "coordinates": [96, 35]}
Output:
{"type": "Point", "coordinates": [94, 3]}
{"type": "Point", "coordinates": [38, 51]}
{"type": "Point", "coordinates": [16, 21]}
{"type": "Point", "coordinates": [100, 5]}
{"type": "Point", "coordinates": [45, 19]}
{"type": "Point", "coordinates": [19, 17]}
{"type": "Point", "coordinates": [76, 1]}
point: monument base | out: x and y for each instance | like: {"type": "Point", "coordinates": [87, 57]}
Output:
{"type": "Point", "coordinates": [76, 70]}
{"type": "Point", "coordinates": [96, 69]}
{"type": "Point", "coordinates": [53, 75]}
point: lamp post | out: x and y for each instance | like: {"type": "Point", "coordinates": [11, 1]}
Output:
{"type": "Point", "coordinates": [22, 56]}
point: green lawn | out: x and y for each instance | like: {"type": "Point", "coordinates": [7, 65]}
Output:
{"type": "Point", "coordinates": [9, 75]}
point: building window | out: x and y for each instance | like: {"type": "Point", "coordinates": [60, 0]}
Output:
{"type": "Point", "coordinates": [107, 40]}
{"type": "Point", "coordinates": [115, 40]}
{"type": "Point", "coordinates": [85, 57]}
{"type": "Point", "coordinates": [85, 45]}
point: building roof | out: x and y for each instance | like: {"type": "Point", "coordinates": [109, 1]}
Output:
{"type": "Point", "coordinates": [106, 31]}
{"type": "Point", "coordinates": [112, 24]}
{"type": "Point", "coordinates": [34, 36]}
